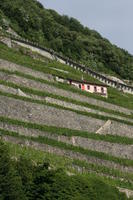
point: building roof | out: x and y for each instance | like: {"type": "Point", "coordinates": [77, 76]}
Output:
{"type": "Point", "coordinates": [87, 82]}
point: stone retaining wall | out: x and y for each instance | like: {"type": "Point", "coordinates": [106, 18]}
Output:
{"type": "Point", "coordinates": [65, 104]}
{"type": "Point", "coordinates": [114, 128]}
{"type": "Point", "coordinates": [54, 90]}
{"type": "Point", "coordinates": [67, 153]}
{"type": "Point", "coordinates": [83, 108]}
{"type": "Point", "coordinates": [118, 150]}
{"type": "Point", "coordinates": [6, 65]}
{"type": "Point", "coordinates": [47, 115]}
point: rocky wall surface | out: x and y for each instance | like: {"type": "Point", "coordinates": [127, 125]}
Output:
{"type": "Point", "coordinates": [67, 153]}
{"type": "Point", "coordinates": [114, 128]}
{"type": "Point", "coordinates": [19, 92]}
{"type": "Point", "coordinates": [120, 129]}
{"type": "Point", "coordinates": [47, 115]}
{"type": "Point", "coordinates": [115, 149]}
{"type": "Point", "coordinates": [35, 49]}
{"type": "Point", "coordinates": [83, 108]}
{"type": "Point", "coordinates": [6, 65]}
{"type": "Point", "coordinates": [54, 90]}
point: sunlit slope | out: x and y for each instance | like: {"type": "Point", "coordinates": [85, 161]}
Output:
{"type": "Point", "coordinates": [79, 131]}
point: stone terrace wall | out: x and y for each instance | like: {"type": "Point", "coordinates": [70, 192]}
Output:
{"type": "Point", "coordinates": [54, 90]}
{"type": "Point", "coordinates": [118, 150]}
{"type": "Point", "coordinates": [67, 153]}
{"type": "Point", "coordinates": [51, 54]}
{"type": "Point", "coordinates": [6, 65]}
{"type": "Point", "coordinates": [51, 116]}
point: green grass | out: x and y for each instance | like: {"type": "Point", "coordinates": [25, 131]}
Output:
{"type": "Point", "coordinates": [70, 164]}
{"type": "Point", "coordinates": [67, 164]}
{"type": "Point", "coordinates": [62, 145]}
{"type": "Point", "coordinates": [39, 156]}
{"type": "Point", "coordinates": [116, 97]}
{"type": "Point", "coordinates": [63, 162]}
{"type": "Point", "coordinates": [44, 67]}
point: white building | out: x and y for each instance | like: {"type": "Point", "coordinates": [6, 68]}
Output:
{"type": "Point", "coordinates": [96, 88]}
{"type": "Point", "coordinates": [90, 87]}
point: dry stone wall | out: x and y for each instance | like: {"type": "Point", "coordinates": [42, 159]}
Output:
{"type": "Point", "coordinates": [54, 90]}
{"type": "Point", "coordinates": [102, 130]}
{"type": "Point", "coordinates": [6, 41]}
{"type": "Point", "coordinates": [118, 150]}
{"type": "Point", "coordinates": [41, 52]}
{"type": "Point", "coordinates": [10, 90]}
{"type": "Point", "coordinates": [120, 129]}
{"type": "Point", "coordinates": [114, 128]}
{"type": "Point", "coordinates": [6, 65]}
{"type": "Point", "coordinates": [42, 114]}
{"type": "Point", "coordinates": [83, 108]}
{"type": "Point", "coordinates": [66, 153]}
{"type": "Point", "coordinates": [18, 92]}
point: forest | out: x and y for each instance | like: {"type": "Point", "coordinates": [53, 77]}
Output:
{"type": "Point", "coordinates": [65, 35]}
{"type": "Point", "coordinates": [21, 178]}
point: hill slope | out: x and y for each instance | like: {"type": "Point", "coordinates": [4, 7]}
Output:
{"type": "Point", "coordinates": [65, 35]}
{"type": "Point", "coordinates": [85, 134]}
{"type": "Point", "coordinates": [43, 119]}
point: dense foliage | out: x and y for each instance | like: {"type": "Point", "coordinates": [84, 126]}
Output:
{"type": "Point", "coordinates": [65, 35]}
{"type": "Point", "coordinates": [23, 179]}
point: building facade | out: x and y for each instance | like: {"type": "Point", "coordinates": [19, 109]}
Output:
{"type": "Point", "coordinates": [95, 88]}
{"type": "Point", "coordinates": [90, 87]}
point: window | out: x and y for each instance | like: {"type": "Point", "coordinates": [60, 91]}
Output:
{"type": "Point", "coordinates": [102, 90]}
{"type": "Point", "coordinates": [88, 87]}
{"type": "Point", "coordinates": [95, 89]}
{"type": "Point", "coordinates": [80, 86]}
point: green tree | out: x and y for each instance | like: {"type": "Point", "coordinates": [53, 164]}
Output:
{"type": "Point", "coordinates": [10, 182]}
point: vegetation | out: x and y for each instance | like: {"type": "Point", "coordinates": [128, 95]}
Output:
{"type": "Point", "coordinates": [65, 35]}
{"type": "Point", "coordinates": [70, 165]}
{"type": "Point", "coordinates": [23, 179]}
{"type": "Point", "coordinates": [28, 174]}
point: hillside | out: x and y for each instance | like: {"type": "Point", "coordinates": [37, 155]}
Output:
{"type": "Point", "coordinates": [57, 141]}
{"type": "Point", "coordinates": [83, 133]}
{"type": "Point", "coordinates": [65, 35]}
{"type": "Point", "coordinates": [29, 181]}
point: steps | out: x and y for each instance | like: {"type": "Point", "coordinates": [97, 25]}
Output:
{"type": "Point", "coordinates": [104, 127]}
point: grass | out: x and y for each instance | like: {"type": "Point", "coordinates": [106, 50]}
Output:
{"type": "Point", "coordinates": [68, 164]}
{"type": "Point", "coordinates": [116, 97]}
{"type": "Point", "coordinates": [64, 146]}
{"type": "Point", "coordinates": [69, 132]}
{"type": "Point", "coordinates": [40, 156]}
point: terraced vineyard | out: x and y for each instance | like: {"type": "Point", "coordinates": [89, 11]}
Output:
{"type": "Point", "coordinates": [81, 132]}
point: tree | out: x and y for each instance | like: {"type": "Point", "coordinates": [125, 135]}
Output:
{"type": "Point", "coordinates": [10, 182]}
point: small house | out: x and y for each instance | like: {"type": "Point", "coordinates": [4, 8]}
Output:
{"type": "Point", "coordinates": [96, 88]}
